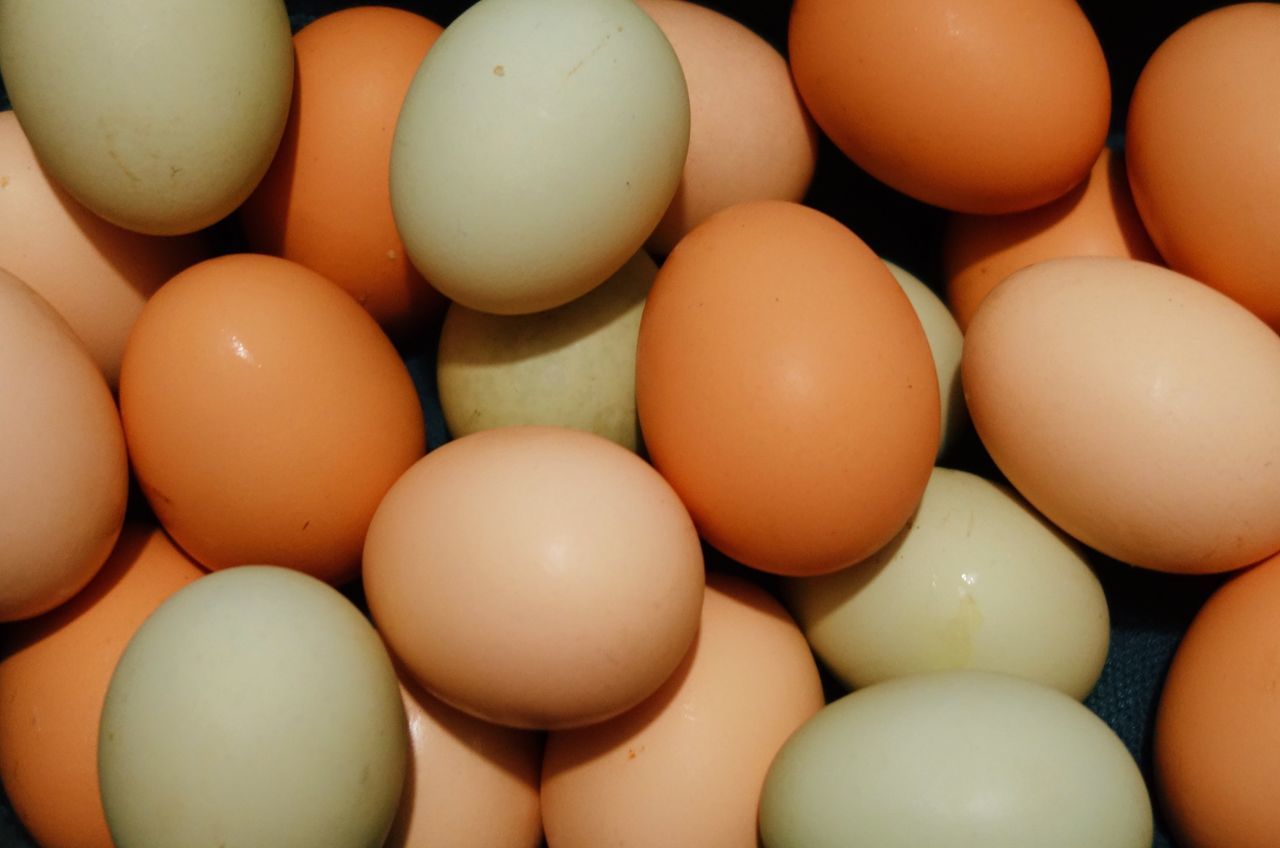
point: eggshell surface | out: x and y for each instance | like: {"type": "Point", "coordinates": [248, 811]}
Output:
{"type": "Point", "coordinates": [1096, 218]}
{"type": "Point", "coordinates": [771, 324]}
{"type": "Point", "coordinates": [256, 707]}
{"type": "Point", "coordinates": [1137, 409]}
{"type": "Point", "coordinates": [526, 170]}
{"type": "Point", "coordinates": [976, 580]}
{"type": "Point", "coordinates": [95, 274]}
{"type": "Point", "coordinates": [64, 474]}
{"type": "Point", "coordinates": [750, 137]}
{"type": "Point", "coordinates": [267, 415]}
{"type": "Point", "coordinates": [325, 202]}
{"type": "Point", "coordinates": [572, 366]}
{"type": "Point", "coordinates": [686, 766]}
{"type": "Point", "coordinates": [53, 680]}
{"type": "Point", "coordinates": [1201, 159]}
{"type": "Point", "coordinates": [160, 117]}
{"type": "Point", "coordinates": [471, 784]}
{"type": "Point", "coordinates": [1217, 747]}
{"type": "Point", "coordinates": [538, 577]}
{"type": "Point", "coordinates": [905, 90]}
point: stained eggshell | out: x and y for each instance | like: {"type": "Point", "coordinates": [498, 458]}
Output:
{"type": "Point", "coordinates": [786, 389]}
{"type": "Point", "coordinates": [53, 680]}
{"type": "Point", "coordinates": [266, 414]}
{"type": "Point", "coordinates": [539, 577]}
{"type": "Point", "coordinates": [325, 202]}
{"type": "Point", "coordinates": [686, 766]}
{"type": "Point", "coordinates": [95, 274]}
{"type": "Point", "coordinates": [978, 580]}
{"type": "Point", "coordinates": [905, 90]}
{"type": "Point", "coordinates": [750, 137]}
{"type": "Point", "coordinates": [65, 478]}
{"type": "Point", "coordinates": [1138, 409]}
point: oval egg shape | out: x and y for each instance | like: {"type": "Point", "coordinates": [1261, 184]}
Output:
{"type": "Point", "coordinates": [1137, 409]}
{"type": "Point", "coordinates": [160, 117]}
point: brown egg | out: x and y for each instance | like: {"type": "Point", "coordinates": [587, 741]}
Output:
{"type": "Point", "coordinates": [1135, 408]}
{"type": "Point", "coordinates": [471, 784]}
{"type": "Point", "coordinates": [686, 767]}
{"type": "Point", "coordinates": [1096, 218]}
{"type": "Point", "coordinates": [95, 274]}
{"type": "Point", "coordinates": [1202, 154]}
{"type": "Point", "coordinates": [985, 106]}
{"type": "Point", "coordinates": [786, 389]}
{"type": "Point", "coordinates": [750, 137]}
{"type": "Point", "coordinates": [537, 577]}
{"type": "Point", "coordinates": [325, 202]}
{"type": "Point", "coordinates": [1217, 743]}
{"type": "Point", "coordinates": [53, 680]}
{"type": "Point", "coordinates": [266, 415]}
{"type": "Point", "coordinates": [65, 477]}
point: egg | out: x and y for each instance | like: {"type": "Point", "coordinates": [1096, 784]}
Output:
{"type": "Point", "coordinates": [66, 476]}
{"type": "Point", "coordinates": [955, 759]}
{"type": "Point", "coordinates": [1096, 218]}
{"type": "Point", "coordinates": [750, 137]}
{"type": "Point", "coordinates": [254, 707]}
{"type": "Point", "coordinates": [1138, 409]}
{"type": "Point", "coordinates": [538, 577]}
{"type": "Point", "coordinates": [1201, 159]}
{"type": "Point", "coordinates": [572, 366]}
{"type": "Point", "coordinates": [53, 680]}
{"type": "Point", "coordinates": [266, 415]}
{"type": "Point", "coordinates": [526, 170]}
{"type": "Point", "coordinates": [325, 202]}
{"type": "Point", "coordinates": [159, 117]}
{"type": "Point", "coordinates": [686, 766]}
{"type": "Point", "coordinates": [977, 580]}
{"type": "Point", "coordinates": [907, 90]}
{"type": "Point", "coordinates": [95, 274]}
{"type": "Point", "coordinates": [1217, 746]}
{"type": "Point", "coordinates": [771, 324]}
{"type": "Point", "coordinates": [471, 784]}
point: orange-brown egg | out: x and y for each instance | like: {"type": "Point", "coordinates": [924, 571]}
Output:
{"type": "Point", "coordinates": [1217, 741]}
{"type": "Point", "coordinates": [64, 476]}
{"type": "Point", "coordinates": [95, 274]}
{"type": "Point", "coordinates": [326, 202]}
{"type": "Point", "coordinates": [1096, 218]}
{"type": "Point", "coordinates": [750, 137]}
{"type": "Point", "coordinates": [1202, 154]}
{"type": "Point", "coordinates": [786, 389]}
{"type": "Point", "coordinates": [266, 415]}
{"type": "Point", "coordinates": [686, 767]}
{"type": "Point", "coordinates": [984, 106]}
{"type": "Point", "coordinates": [54, 677]}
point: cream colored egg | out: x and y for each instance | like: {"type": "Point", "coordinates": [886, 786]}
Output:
{"type": "Point", "coordinates": [539, 145]}
{"type": "Point", "coordinates": [572, 366]}
{"type": "Point", "coordinates": [977, 580]}
{"type": "Point", "coordinates": [946, 343]}
{"type": "Point", "coordinates": [257, 708]}
{"type": "Point", "coordinates": [957, 759]}
{"type": "Point", "coordinates": [159, 116]}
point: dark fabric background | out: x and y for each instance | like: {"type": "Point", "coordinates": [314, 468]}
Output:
{"type": "Point", "coordinates": [1149, 611]}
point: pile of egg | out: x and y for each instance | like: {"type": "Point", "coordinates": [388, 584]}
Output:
{"type": "Point", "coordinates": [703, 438]}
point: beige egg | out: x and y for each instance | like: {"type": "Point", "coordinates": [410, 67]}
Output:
{"type": "Point", "coordinates": [63, 470]}
{"type": "Point", "coordinates": [572, 366]}
{"type": "Point", "coordinates": [161, 117]}
{"type": "Point", "coordinates": [1136, 408]}
{"type": "Point", "coordinates": [95, 274]}
{"type": "Point", "coordinates": [470, 784]}
{"type": "Point", "coordinates": [750, 137]}
{"type": "Point", "coordinates": [685, 768]}
{"type": "Point", "coordinates": [977, 580]}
